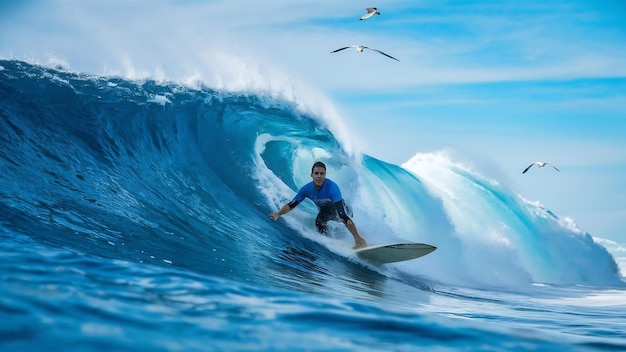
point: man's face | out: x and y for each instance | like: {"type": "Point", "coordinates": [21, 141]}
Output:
{"type": "Point", "coordinates": [318, 175]}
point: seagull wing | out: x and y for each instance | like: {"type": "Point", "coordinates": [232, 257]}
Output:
{"type": "Point", "coordinates": [555, 168]}
{"type": "Point", "coordinates": [345, 47]}
{"type": "Point", "coordinates": [389, 56]}
{"type": "Point", "coordinates": [370, 12]}
{"type": "Point", "coordinates": [526, 169]}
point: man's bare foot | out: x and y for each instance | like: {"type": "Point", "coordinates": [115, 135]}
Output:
{"type": "Point", "coordinates": [360, 243]}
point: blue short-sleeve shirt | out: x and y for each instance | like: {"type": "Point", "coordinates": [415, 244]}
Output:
{"type": "Point", "coordinates": [328, 195]}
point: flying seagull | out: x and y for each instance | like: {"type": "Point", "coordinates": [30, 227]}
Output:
{"type": "Point", "coordinates": [539, 164]}
{"type": "Point", "coordinates": [371, 11]}
{"type": "Point", "coordinates": [360, 48]}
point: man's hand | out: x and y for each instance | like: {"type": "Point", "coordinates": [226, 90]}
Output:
{"type": "Point", "coordinates": [274, 216]}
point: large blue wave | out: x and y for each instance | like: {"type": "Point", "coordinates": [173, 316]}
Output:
{"type": "Point", "coordinates": [171, 175]}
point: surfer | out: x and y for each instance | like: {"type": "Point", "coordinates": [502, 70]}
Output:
{"type": "Point", "coordinates": [327, 197]}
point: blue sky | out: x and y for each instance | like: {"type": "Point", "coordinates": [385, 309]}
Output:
{"type": "Point", "coordinates": [495, 84]}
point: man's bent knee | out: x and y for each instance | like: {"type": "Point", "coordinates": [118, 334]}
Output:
{"type": "Point", "coordinates": [321, 227]}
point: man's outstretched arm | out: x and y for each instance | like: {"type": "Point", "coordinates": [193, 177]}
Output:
{"type": "Point", "coordinates": [284, 209]}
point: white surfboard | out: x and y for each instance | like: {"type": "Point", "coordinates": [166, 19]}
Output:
{"type": "Point", "coordinates": [391, 253]}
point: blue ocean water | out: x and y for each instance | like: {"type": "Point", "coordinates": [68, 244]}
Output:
{"type": "Point", "coordinates": [133, 216]}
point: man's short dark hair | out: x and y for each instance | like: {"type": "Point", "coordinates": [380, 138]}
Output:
{"type": "Point", "coordinates": [318, 164]}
